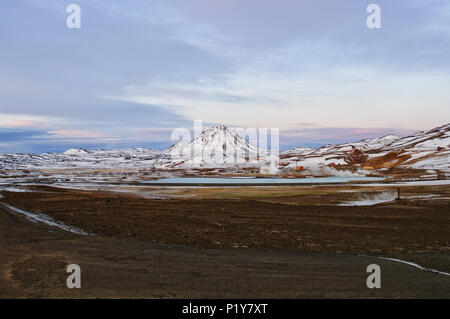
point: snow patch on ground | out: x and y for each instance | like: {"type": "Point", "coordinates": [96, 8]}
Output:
{"type": "Point", "coordinates": [410, 183]}
{"type": "Point", "coordinates": [45, 219]}
{"type": "Point", "coordinates": [371, 199]}
{"type": "Point", "coordinates": [422, 196]}
{"type": "Point", "coordinates": [14, 190]}
{"type": "Point", "coordinates": [416, 266]}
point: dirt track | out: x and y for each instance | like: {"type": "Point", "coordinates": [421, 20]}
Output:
{"type": "Point", "coordinates": [142, 250]}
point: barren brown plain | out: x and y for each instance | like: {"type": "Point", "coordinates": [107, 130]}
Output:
{"type": "Point", "coordinates": [278, 242]}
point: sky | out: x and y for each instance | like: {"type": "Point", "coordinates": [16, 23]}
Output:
{"type": "Point", "coordinates": [136, 70]}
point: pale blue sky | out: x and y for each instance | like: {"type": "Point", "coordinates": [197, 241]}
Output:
{"type": "Point", "coordinates": [137, 69]}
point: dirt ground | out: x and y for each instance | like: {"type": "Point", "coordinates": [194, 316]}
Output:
{"type": "Point", "coordinates": [215, 246]}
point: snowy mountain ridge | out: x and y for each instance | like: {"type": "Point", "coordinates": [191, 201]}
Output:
{"type": "Point", "coordinates": [223, 147]}
{"type": "Point", "coordinates": [422, 150]}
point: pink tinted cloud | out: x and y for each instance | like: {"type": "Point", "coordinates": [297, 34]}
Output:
{"type": "Point", "coordinates": [21, 123]}
{"type": "Point", "coordinates": [365, 131]}
{"type": "Point", "coordinates": [76, 134]}
{"type": "Point", "coordinates": [338, 134]}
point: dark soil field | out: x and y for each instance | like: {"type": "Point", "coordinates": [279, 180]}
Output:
{"type": "Point", "coordinates": [206, 246]}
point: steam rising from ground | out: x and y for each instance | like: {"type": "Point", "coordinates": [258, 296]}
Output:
{"type": "Point", "coordinates": [269, 169]}
{"type": "Point", "coordinates": [328, 171]}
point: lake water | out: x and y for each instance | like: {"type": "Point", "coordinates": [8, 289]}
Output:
{"type": "Point", "coordinates": [230, 180]}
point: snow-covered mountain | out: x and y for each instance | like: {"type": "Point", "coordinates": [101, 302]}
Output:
{"type": "Point", "coordinates": [76, 151]}
{"type": "Point", "coordinates": [423, 150]}
{"type": "Point", "coordinates": [215, 146]}
{"type": "Point", "coordinates": [340, 154]}
{"type": "Point", "coordinates": [225, 148]}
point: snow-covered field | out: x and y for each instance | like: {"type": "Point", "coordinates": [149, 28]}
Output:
{"type": "Point", "coordinates": [220, 151]}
